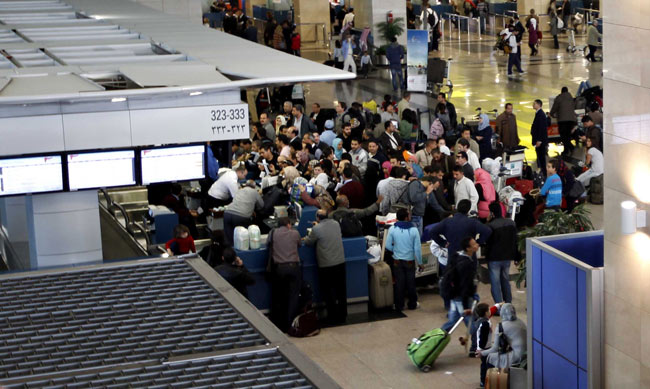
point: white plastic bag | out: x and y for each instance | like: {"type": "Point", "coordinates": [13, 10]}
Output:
{"type": "Point", "coordinates": [375, 251]}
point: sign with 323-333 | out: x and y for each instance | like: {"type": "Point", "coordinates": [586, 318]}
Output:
{"type": "Point", "coordinates": [230, 121]}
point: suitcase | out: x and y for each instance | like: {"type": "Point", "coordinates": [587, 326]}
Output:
{"type": "Point", "coordinates": [424, 350]}
{"type": "Point", "coordinates": [381, 285]}
{"type": "Point", "coordinates": [497, 378]}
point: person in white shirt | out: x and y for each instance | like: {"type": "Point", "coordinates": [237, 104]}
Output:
{"type": "Point", "coordinates": [224, 189]}
{"type": "Point", "coordinates": [319, 177]}
{"type": "Point", "coordinates": [359, 156]}
{"type": "Point", "coordinates": [282, 142]}
{"type": "Point", "coordinates": [594, 160]}
{"type": "Point", "coordinates": [472, 158]}
{"type": "Point", "coordinates": [366, 63]}
{"type": "Point", "coordinates": [513, 57]}
{"type": "Point", "coordinates": [348, 20]}
{"type": "Point", "coordinates": [348, 53]}
{"type": "Point", "coordinates": [464, 189]}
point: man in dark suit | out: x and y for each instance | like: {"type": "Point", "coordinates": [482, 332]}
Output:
{"type": "Point", "coordinates": [301, 122]}
{"type": "Point", "coordinates": [390, 140]}
{"type": "Point", "coordinates": [539, 132]}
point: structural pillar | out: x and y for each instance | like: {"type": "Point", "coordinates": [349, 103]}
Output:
{"type": "Point", "coordinates": [63, 229]}
{"type": "Point", "coordinates": [313, 21]}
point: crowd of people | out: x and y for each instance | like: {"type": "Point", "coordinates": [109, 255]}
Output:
{"type": "Point", "coordinates": [361, 163]}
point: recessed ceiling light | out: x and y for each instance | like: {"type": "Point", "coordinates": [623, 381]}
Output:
{"type": "Point", "coordinates": [118, 99]}
{"type": "Point", "coordinates": [196, 93]}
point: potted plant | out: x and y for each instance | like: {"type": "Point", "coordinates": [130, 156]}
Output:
{"type": "Point", "coordinates": [553, 223]}
{"type": "Point", "coordinates": [388, 30]}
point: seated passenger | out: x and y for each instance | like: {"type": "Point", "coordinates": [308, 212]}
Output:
{"type": "Point", "coordinates": [514, 331]}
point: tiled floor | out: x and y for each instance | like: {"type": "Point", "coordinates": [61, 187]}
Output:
{"type": "Point", "coordinates": [373, 355]}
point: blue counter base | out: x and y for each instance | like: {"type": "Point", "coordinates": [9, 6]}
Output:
{"type": "Point", "coordinates": [356, 267]}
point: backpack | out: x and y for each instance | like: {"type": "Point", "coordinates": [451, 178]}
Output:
{"type": "Point", "coordinates": [350, 225]}
{"type": "Point", "coordinates": [437, 129]}
{"type": "Point", "coordinates": [448, 283]}
{"type": "Point", "coordinates": [305, 324]}
{"type": "Point", "coordinates": [596, 190]}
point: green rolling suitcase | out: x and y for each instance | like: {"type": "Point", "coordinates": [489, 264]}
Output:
{"type": "Point", "coordinates": [424, 350]}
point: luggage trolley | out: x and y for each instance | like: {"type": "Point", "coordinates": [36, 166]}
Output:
{"type": "Point", "coordinates": [437, 71]}
{"type": "Point", "coordinates": [576, 21]}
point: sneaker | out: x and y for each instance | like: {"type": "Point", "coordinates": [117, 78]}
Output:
{"type": "Point", "coordinates": [522, 72]}
{"type": "Point", "coordinates": [417, 306]}
{"type": "Point", "coordinates": [472, 354]}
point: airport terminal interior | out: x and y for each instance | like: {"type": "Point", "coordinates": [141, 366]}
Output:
{"type": "Point", "coordinates": [151, 152]}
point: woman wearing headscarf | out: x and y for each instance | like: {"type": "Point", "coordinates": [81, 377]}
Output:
{"type": "Point", "coordinates": [279, 122]}
{"type": "Point", "coordinates": [486, 192]}
{"type": "Point", "coordinates": [484, 137]}
{"type": "Point", "coordinates": [337, 145]}
{"type": "Point", "coordinates": [386, 167]}
{"type": "Point", "coordinates": [514, 331]}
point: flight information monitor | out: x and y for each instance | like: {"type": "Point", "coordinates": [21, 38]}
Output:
{"type": "Point", "coordinates": [172, 164]}
{"type": "Point", "coordinates": [30, 175]}
{"type": "Point", "coordinates": [101, 169]}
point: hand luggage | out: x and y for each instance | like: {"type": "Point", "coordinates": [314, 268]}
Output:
{"type": "Point", "coordinates": [424, 350]}
{"type": "Point", "coordinates": [304, 325]}
{"type": "Point", "coordinates": [497, 378]}
{"type": "Point", "coordinates": [381, 285]}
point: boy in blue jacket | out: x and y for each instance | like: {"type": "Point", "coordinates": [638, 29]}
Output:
{"type": "Point", "coordinates": [552, 188]}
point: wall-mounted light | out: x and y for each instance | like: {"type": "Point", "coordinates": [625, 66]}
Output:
{"type": "Point", "coordinates": [631, 219]}
{"type": "Point", "coordinates": [118, 99]}
{"type": "Point", "coordinates": [197, 93]}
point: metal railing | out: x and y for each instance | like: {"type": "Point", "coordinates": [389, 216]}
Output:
{"type": "Point", "coordinates": [589, 14]}
{"type": "Point", "coordinates": [459, 18]}
{"type": "Point", "coordinates": [325, 38]}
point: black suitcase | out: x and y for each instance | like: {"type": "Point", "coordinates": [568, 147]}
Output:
{"type": "Point", "coordinates": [436, 70]}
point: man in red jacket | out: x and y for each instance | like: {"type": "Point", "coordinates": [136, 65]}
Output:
{"type": "Point", "coordinates": [352, 189]}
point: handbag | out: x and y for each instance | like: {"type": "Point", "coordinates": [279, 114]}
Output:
{"type": "Point", "coordinates": [576, 190]}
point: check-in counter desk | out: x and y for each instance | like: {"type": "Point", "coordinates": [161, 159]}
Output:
{"type": "Point", "coordinates": [356, 266]}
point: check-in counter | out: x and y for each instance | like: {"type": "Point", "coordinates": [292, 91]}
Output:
{"type": "Point", "coordinates": [356, 266]}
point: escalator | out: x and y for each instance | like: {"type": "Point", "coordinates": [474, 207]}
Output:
{"type": "Point", "coordinates": [128, 230]}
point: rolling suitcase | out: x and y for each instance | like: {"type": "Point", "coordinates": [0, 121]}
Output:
{"type": "Point", "coordinates": [497, 378]}
{"type": "Point", "coordinates": [381, 285]}
{"type": "Point", "coordinates": [424, 350]}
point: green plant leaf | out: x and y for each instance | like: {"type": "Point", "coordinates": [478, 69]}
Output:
{"type": "Point", "coordinates": [553, 223]}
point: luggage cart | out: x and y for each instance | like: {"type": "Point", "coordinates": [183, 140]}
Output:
{"type": "Point", "coordinates": [437, 72]}
{"type": "Point", "coordinates": [576, 21]}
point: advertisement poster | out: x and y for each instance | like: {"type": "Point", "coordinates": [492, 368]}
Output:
{"type": "Point", "coordinates": [417, 54]}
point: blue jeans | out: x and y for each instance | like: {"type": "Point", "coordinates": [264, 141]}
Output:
{"type": "Point", "coordinates": [500, 281]}
{"type": "Point", "coordinates": [417, 222]}
{"type": "Point", "coordinates": [513, 59]}
{"type": "Point", "coordinates": [455, 312]}
{"type": "Point", "coordinates": [396, 73]}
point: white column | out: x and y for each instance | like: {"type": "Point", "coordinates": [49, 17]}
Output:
{"type": "Point", "coordinates": [63, 229]}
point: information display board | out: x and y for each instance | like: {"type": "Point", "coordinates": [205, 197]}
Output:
{"type": "Point", "coordinates": [172, 164]}
{"type": "Point", "coordinates": [101, 170]}
{"type": "Point", "coordinates": [31, 175]}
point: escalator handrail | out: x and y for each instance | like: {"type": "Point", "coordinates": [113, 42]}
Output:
{"type": "Point", "coordinates": [144, 232]}
{"type": "Point", "coordinates": [120, 207]}
{"type": "Point", "coordinates": [107, 196]}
